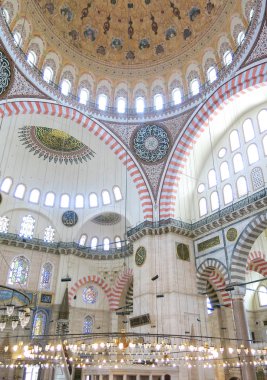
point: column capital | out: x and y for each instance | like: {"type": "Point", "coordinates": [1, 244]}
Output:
{"type": "Point", "coordinates": [238, 292]}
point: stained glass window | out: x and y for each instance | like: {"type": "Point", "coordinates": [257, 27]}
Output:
{"type": "Point", "coordinates": [90, 294]}
{"type": "Point", "coordinates": [27, 227]}
{"type": "Point", "coordinates": [49, 234]}
{"type": "Point", "coordinates": [46, 276]}
{"type": "Point", "coordinates": [19, 271]}
{"type": "Point", "coordinates": [39, 323]}
{"type": "Point", "coordinates": [117, 193]}
{"type": "Point", "coordinates": [105, 197]}
{"type": "Point", "coordinates": [88, 324]}
{"type": "Point", "coordinates": [93, 201]}
{"type": "Point", "coordinates": [118, 242]}
{"type": "Point", "coordinates": [94, 243]}
{"type": "Point", "coordinates": [83, 240]}
{"type": "Point", "coordinates": [4, 222]}
{"type": "Point", "coordinates": [6, 185]}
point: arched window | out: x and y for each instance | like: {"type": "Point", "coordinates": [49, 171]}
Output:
{"type": "Point", "coordinates": [211, 74]}
{"type": "Point", "coordinates": [4, 222]}
{"type": "Point", "coordinates": [253, 154]}
{"type": "Point", "coordinates": [224, 170]}
{"type": "Point", "coordinates": [31, 58]}
{"type": "Point", "coordinates": [203, 207]}
{"type": "Point", "coordinates": [194, 87]}
{"type": "Point", "coordinates": [117, 193]}
{"type": "Point", "coordinates": [84, 96]}
{"type": "Point", "coordinates": [262, 120]}
{"type": "Point", "coordinates": [227, 58]}
{"type": "Point", "coordinates": [6, 15]}
{"type": "Point", "coordinates": [209, 306]}
{"type": "Point", "coordinates": [262, 294]}
{"type": "Point", "coordinates": [200, 188]}
{"type": "Point", "coordinates": [139, 104]}
{"type": "Point", "coordinates": [65, 87]}
{"type": "Point", "coordinates": [49, 234]}
{"type": "Point", "coordinates": [102, 102]}
{"type": "Point", "coordinates": [214, 201]}
{"type": "Point", "coordinates": [158, 102]}
{"type": "Point", "coordinates": [88, 325]}
{"type": "Point", "coordinates": [19, 271]}
{"type": "Point", "coordinates": [106, 244]}
{"type": "Point", "coordinates": [240, 38]}
{"type": "Point", "coordinates": [79, 201]}
{"type": "Point", "coordinates": [48, 74]}
{"type": "Point", "coordinates": [39, 323]}
{"type": "Point", "coordinates": [20, 191]}
{"type": "Point", "coordinates": [105, 197]}
{"type": "Point", "coordinates": [234, 140]}
{"type": "Point", "coordinates": [238, 162]}
{"type": "Point", "coordinates": [83, 239]}
{"type": "Point", "coordinates": [248, 130]}
{"type": "Point", "coordinates": [27, 227]}
{"type": "Point", "coordinates": [251, 14]}
{"type": "Point", "coordinates": [257, 178]}
{"type": "Point", "coordinates": [6, 185]}
{"type": "Point", "coordinates": [94, 243]}
{"type": "Point", "coordinates": [46, 276]}
{"type": "Point", "coordinates": [118, 242]}
{"type": "Point", "coordinates": [17, 38]}
{"type": "Point", "coordinates": [65, 201]}
{"type": "Point", "coordinates": [212, 178]}
{"type": "Point", "coordinates": [34, 196]}
{"type": "Point", "coordinates": [264, 143]}
{"type": "Point", "coordinates": [121, 105]}
{"type": "Point", "coordinates": [227, 194]}
{"type": "Point", "coordinates": [93, 201]}
{"type": "Point", "coordinates": [49, 199]}
{"type": "Point", "coordinates": [177, 96]}
{"type": "Point", "coordinates": [241, 185]}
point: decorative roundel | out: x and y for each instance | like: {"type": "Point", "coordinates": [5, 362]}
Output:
{"type": "Point", "coordinates": [140, 256]}
{"type": "Point", "coordinates": [151, 143]}
{"type": "Point", "coordinates": [231, 234]}
{"type": "Point", "coordinates": [90, 294]}
{"type": "Point", "coordinates": [5, 73]}
{"type": "Point", "coordinates": [69, 218]}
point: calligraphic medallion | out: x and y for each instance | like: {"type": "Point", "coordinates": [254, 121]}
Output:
{"type": "Point", "coordinates": [140, 256]}
{"type": "Point", "coordinates": [69, 218]}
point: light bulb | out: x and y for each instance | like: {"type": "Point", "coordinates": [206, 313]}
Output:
{"type": "Point", "coordinates": [9, 310]}
{"type": "Point", "coordinates": [14, 324]}
{"type": "Point", "coordinates": [2, 326]}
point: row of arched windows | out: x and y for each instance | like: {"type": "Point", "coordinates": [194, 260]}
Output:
{"type": "Point", "coordinates": [27, 228]}
{"type": "Point", "coordinates": [65, 200]}
{"type": "Point", "coordinates": [244, 153]}
{"type": "Point", "coordinates": [19, 271]}
{"type": "Point", "coordinates": [84, 93]}
{"type": "Point", "coordinates": [105, 245]}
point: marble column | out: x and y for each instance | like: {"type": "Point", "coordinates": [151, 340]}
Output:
{"type": "Point", "coordinates": [241, 325]}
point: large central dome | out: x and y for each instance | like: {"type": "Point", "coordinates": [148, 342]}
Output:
{"type": "Point", "coordinates": [135, 32]}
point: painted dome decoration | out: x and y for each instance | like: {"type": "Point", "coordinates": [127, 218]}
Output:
{"type": "Point", "coordinates": [151, 143]}
{"type": "Point", "coordinates": [54, 145]}
{"type": "Point", "coordinates": [107, 218]}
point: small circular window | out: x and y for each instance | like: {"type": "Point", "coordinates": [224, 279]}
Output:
{"type": "Point", "coordinates": [222, 152]}
{"type": "Point", "coordinates": [201, 188]}
{"type": "Point", "coordinates": [90, 294]}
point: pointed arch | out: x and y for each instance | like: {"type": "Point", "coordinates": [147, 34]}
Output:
{"type": "Point", "coordinates": [243, 246]}
{"type": "Point", "coordinates": [23, 107]}
{"type": "Point", "coordinates": [119, 286]}
{"type": "Point", "coordinates": [215, 273]}
{"type": "Point", "coordinates": [246, 81]}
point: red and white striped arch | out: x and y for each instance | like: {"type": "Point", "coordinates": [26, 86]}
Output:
{"type": "Point", "coordinates": [113, 294]}
{"type": "Point", "coordinates": [218, 283]}
{"type": "Point", "coordinates": [242, 83]}
{"type": "Point", "coordinates": [257, 263]}
{"type": "Point", "coordinates": [119, 287]}
{"type": "Point", "coordinates": [24, 107]}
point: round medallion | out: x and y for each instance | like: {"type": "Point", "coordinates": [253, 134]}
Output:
{"type": "Point", "coordinates": [231, 234]}
{"type": "Point", "coordinates": [151, 143]}
{"type": "Point", "coordinates": [140, 256]}
{"type": "Point", "coordinates": [182, 252]}
{"type": "Point", "coordinates": [69, 218]}
{"type": "Point", "coordinates": [90, 294]}
{"type": "Point", "coordinates": [5, 73]}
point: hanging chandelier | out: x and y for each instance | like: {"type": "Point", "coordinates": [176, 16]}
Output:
{"type": "Point", "coordinates": [14, 308]}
